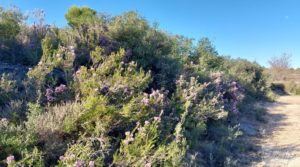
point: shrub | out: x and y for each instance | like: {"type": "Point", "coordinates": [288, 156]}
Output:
{"type": "Point", "coordinates": [116, 91]}
{"type": "Point", "coordinates": [20, 43]}
{"type": "Point", "coordinates": [251, 76]}
{"type": "Point", "coordinates": [83, 154]}
{"type": "Point", "coordinates": [115, 77]}
{"type": "Point", "coordinates": [7, 89]}
{"type": "Point", "coordinates": [15, 140]}
{"type": "Point", "coordinates": [53, 126]}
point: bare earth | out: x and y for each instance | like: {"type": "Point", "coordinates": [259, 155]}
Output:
{"type": "Point", "coordinates": [281, 141]}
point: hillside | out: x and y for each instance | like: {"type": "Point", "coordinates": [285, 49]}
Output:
{"type": "Point", "coordinates": [117, 91]}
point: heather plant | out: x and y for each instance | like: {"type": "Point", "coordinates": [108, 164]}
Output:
{"type": "Point", "coordinates": [37, 83]}
{"type": "Point", "coordinates": [30, 158]}
{"type": "Point", "coordinates": [15, 139]}
{"type": "Point", "coordinates": [137, 146]}
{"type": "Point", "coordinates": [116, 91]}
{"type": "Point", "coordinates": [89, 152]}
{"type": "Point", "coordinates": [115, 78]}
{"type": "Point", "coordinates": [251, 77]}
{"type": "Point", "coordinates": [48, 85]}
{"type": "Point", "coordinates": [7, 89]}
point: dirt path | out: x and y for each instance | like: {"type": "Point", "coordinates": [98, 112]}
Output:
{"type": "Point", "coordinates": [281, 142]}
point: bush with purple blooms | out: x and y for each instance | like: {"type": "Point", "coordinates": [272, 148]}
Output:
{"type": "Point", "coordinates": [116, 91]}
{"type": "Point", "coordinates": [57, 94]}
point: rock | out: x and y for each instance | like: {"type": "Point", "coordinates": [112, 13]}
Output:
{"type": "Point", "coordinates": [248, 129]}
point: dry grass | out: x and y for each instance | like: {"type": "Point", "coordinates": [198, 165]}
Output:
{"type": "Point", "coordinates": [55, 119]}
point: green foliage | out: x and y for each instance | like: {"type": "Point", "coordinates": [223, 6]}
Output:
{"type": "Point", "coordinates": [32, 158]}
{"type": "Point", "coordinates": [207, 56]}
{"type": "Point", "coordinates": [20, 43]}
{"type": "Point", "coordinates": [98, 116]}
{"type": "Point", "coordinates": [49, 45]}
{"type": "Point", "coordinates": [116, 91]}
{"type": "Point", "coordinates": [251, 75]}
{"type": "Point", "coordinates": [9, 24]}
{"type": "Point", "coordinates": [79, 153]}
{"type": "Point", "coordinates": [88, 27]}
{"type": "Point", "coordinates": [137, 146]}
{"type": "Point", "coordinates": [7, 89]}
{"type": "Point", "coordinates": [79, 16]}
{"type": "Point", "coordinates": [15, 140]}
{"type": "Point", "coordinates": [113, 77]}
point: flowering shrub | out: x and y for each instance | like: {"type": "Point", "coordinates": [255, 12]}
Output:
{"type": "Point", "coordinates": [142, 137]}
{"type": "Point", "coordinates": [15, 141]}
{"type": "Point", "coordinates": [7, 89]}
{"type": "Point", "coordinates": [83, 154]}
{"type": "Point", "coordinates": [57, 94]}
{"type": "Point", "coordinates": [10, 160]}
{"type": "Point", "coordinates": [115, 91]}
{"type": "Point", "coordinates": [114, 77]}
{"type": "Point", "coordinates": [250, 76]}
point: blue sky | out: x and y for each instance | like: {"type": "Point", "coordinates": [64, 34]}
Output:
{"type": "Point", "coordinates": [252, 29]}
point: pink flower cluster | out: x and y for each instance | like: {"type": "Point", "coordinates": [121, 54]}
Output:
{"type": "Point", "coordinates": [234, 89]}
{"type": "Point", "coordinates": [79, 163]}
{"type": "Point", "coordinates": [10, 159]}
{"type": "Point", "coordinates": [190, 90]}
{"type": "Point", "coordinates": [61, 88]}
{"type": "Point", "coordinates": [92, 164]}
{"type": "Point", "coordinates": [156, 96]}
{"type": "Point", "coordinates": [50, 93]}
{"type": "Point", "coordinates": [129, 138]}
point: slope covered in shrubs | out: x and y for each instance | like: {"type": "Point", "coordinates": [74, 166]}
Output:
{"type": "Point", "coordinates": [117, 91]}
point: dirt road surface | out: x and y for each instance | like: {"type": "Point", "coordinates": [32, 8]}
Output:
{"type": "Point", "coordinates": [281, 141]}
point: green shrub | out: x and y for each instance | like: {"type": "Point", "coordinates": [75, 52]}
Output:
{"type": "Point", "coordinates": [20, 43]}
{"type": "Point", "coordinates": [15, 140]}
{"type": "Point", "coordinates": [7, 89]}
{"type": "Point", "coordinates": [116, 91]}
{"type": "Point", "coordinates": [251, 76]}
{"type": "Point", "coordinates": [89, 152]}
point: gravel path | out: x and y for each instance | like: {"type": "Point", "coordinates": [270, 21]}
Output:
{"type": "Point", "coordinates": [281, 142]}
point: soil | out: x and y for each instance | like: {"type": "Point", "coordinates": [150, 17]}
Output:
{"type": "Point", "coordinates": [280, 145]}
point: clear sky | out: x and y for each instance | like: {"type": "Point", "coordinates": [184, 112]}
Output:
{"type": "Point", "coordinates": [252, 29]}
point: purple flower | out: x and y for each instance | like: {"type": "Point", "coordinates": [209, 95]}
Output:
{"type": "Point", "coordinates": [49, 91]}
{"type": "Point", "coordinates": [145, 101]}
{"type": "Point", "coordinates": [148, 164]}
{"type": "Point", "coordinates": [61, 88]}
{"type": "Point", "coordinates": [92, 164]}
{"type": "Point", "coordinates": [50, 98]}
{"type": "Point", "coordinates": [79, 163]}
{"type": "Point", "coordinates": [49, 95]}
{"type": "Point", "coordinates": [10, 159]}
{"type": "Point", "coordinates": [62, 158]}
